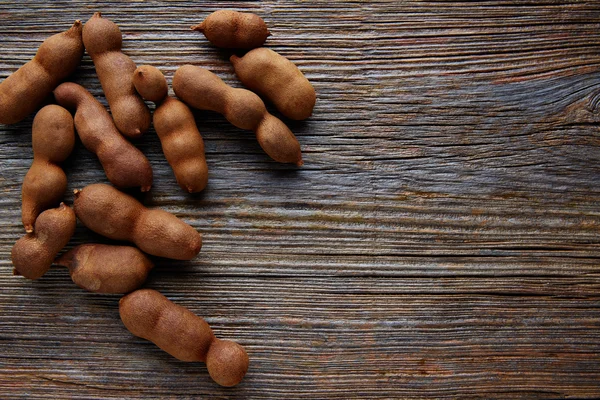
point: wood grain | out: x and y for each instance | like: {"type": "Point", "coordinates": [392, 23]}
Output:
{"type": "Point", "coordinates": [441, 241]}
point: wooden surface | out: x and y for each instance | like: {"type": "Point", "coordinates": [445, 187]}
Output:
{"type": "Point", "coordinates": [441, 241]}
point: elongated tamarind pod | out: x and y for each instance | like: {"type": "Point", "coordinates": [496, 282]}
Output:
{"type": "Point", "coordinates": [116, 215]}
{"type": "Point", "coordinates": [204, 90]}
{"type": "Point", "coordinates": [53, 138]}
{"type": "Point", "coordinates": [23, 91]}
{"type": "Point", "coordinates": [125, 166]}
{"type": "Point", "coordinates": [150, 315]}
{"type": "Point", "coordinates": [176, 128]}
{"type": "Point", "coordinates": [103, 40]}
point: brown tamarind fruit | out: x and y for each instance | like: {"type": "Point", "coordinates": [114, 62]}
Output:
{"type": "Point", "coordinates": [277, 79]}
{"type": "Point", "coordinates": [176, 128]}
{"type": "Point", "coordinates": [204, 90]}
{"type": "Point", "coordinates": [230, 29]}
{"type": "Point", "coordinates": [103, 41]}
{"type": "Point", "coordinates": [25, 90]}
{"type": "Point", "coordinates": [116, 215]}
{"type": "Point", "coordinates": [103, 268]}
{"type": "Point", "coordinates": [33, 254]}
{"type": "Point", "coordinates": [148, 314]}
{"type": "Point", "coordinates": [125, 165]}
{"type": "Point", "coordinates": [44, 185]}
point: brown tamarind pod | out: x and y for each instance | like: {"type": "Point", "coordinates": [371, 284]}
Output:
{"type": "Point", "coordinates": [125, 165]}
{"type": "Point", "coordinates": [148, 314]}
{"type": "Point", "coordinates": [200, 88]}
{"type": "Point", "coordinates": [25, 90]}
{"type": "Point", "coordinates": [116, 215]}
{"type": "Point", "coordinates": [33, 254]}
{"type": "Point", "coordinates": [103, 40]}
{"type": "Point", "coordinates": [44, 185]}
{"type": "Point", "coordinates": [277, 79]}
{"type": "Point", "coordinates": [103, 268]}
{"type": "Point", "coordinates": [230, 29]}
{"type": "Point", "coordinates": [176, 128]}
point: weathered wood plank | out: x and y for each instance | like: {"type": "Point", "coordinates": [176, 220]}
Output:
{"type": "Point", "coordinates": [442, 239]}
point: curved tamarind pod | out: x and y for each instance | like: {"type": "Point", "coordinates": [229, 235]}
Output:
{"type": "Point", "coordinates": [33, 254]}
{"type": "Point", "coordinates": [204, 90]}
{"type": "Point", "coordinates": [23, 91]}
{"type": "Point", "coordinates": [103, 40]}
{"type": "Point", "coordinates": [124, 164]}
{"type": "Point", "coordinates": [44, 185]}
{"type": "Point", "coordinates": [277, 79]}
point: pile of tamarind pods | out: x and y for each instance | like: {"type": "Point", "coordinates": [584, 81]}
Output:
{"type": "Point", "coordinates": [49, 223]}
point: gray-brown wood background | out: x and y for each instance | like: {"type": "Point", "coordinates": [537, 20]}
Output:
{"type": "Point", "coordinates": [442, 239]}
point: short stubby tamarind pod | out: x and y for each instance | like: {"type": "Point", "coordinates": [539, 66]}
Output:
{"type": "Point", "coordinates": [200, 88]}
{"type": "Point", "coordinates": [148, 314]}
{"type": "Point", "coordinates": [124, 164]}
{"type": "Point", "coordinates": [176, 128]}
{"type": "Point", "coordinates": [150, 83]}
{"type": "Point", "coordinates": [277, 79]}
{"type": "Point", "coordinates": [103, 40]}
{"type": "Point", "coordinates": [33, 254]}
{"type": "Point", "coordinates": [116, 215]}
{"type": "Point", "coordinates": [103, 268]}
{"type": "Point", "coordinates": [25, 90]}
{"type": "Point", "coordinates": [230, 29]}
{"type": "Point", "coordinates": [44, 185]}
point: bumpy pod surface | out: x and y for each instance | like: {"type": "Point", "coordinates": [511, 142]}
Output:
{"type": "Point", "coordinates": [148, 314]}
{"type": "Point", "coordinates": [33, 254]}
{"type": "Point", "coordinates": [25, 90]}
{"type": "Point", "coordinates": [103, 40]}
{"type": "Point", "coordinates": [176, 128]}
{"type": "Point", "coordinates": [278, 79]}
{"type": "Point", "coordinates": [204, 90]}
{"type": "Point", "coordinates": [103, 268]}
{"type": "Point", "coordinates": [234, 30]}
{"type": "Point", "coordinates": [44, 185]}
{"type": "Point", "coordinates": [125, 166]}
{"type": "Point", "coordinates": [116, 215]}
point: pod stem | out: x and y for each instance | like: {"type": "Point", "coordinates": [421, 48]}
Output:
{"type": "Point", "coordinates": [199, 27]}
{"type": "Point", "coordinates": [75, 30]}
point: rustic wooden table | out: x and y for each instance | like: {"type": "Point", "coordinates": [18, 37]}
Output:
{"type": "Point", "coordinates": [442, 239]}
